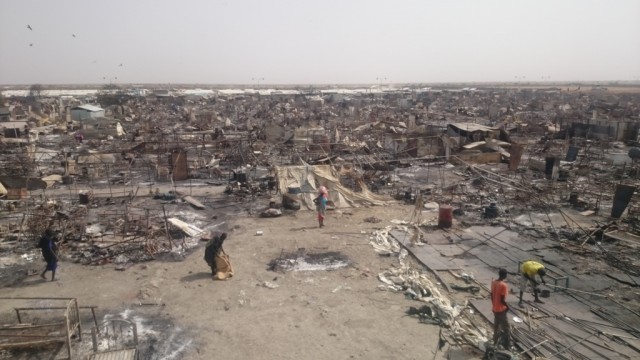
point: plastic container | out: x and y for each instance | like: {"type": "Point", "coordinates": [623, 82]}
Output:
{"type": "Point", "coordinates": [491, 211]}
{"type": "Point", "coordinates": [573, 198]}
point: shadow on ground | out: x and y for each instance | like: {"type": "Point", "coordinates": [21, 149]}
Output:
{"type": "Point", "coordinates": [304, 228]}
{"type": "Point", "coordinates": [196, 277]}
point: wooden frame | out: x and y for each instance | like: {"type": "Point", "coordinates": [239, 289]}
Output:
{"type": "Point", "coordinates": [24, 336]}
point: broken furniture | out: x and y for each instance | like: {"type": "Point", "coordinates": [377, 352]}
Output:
{"type": "Point", "coordinates": [45, 331]}
{"type": "Point", "coordinates": [115, 339]}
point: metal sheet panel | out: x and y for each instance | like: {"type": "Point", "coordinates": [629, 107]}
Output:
{"type": "Point", "coordinates": [128, 354]}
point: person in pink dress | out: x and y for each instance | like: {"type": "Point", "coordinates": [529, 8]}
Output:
{"type": "Point", "coordinates": [321, 204]}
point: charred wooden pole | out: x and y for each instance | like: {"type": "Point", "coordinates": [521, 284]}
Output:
{"type": "Point", "coordinates": [166, 228]}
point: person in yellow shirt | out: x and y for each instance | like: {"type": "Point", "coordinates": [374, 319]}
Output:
{"type": "Point", "coordinates": [529, 270]}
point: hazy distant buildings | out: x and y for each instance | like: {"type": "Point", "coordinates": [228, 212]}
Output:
{"type": "Point", "coordinates": [5, 114]}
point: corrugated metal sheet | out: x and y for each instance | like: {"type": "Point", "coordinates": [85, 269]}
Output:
{"type": "Point", "coordinates": [471, 127]}
{"type": "Point", "coordinates": [129, 354]}
{"type": "Point", "coordinates": [88, 107]}
{"type": "Point", "coordinates": [96, 159]}
{"type": "Point", "coordinates": [14, 124]}
{"type": "Point", "coordinates": [20, 182]}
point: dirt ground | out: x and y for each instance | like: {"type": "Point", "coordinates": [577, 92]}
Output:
{"type": "Point", "coordinates": [183, 314]}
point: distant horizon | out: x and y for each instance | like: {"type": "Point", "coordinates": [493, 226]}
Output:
{"type": "Point", "coordinates": [276, 85]}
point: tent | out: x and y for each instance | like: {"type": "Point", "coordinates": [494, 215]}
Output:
{"type": "Point", "coordinates": [308, 178]}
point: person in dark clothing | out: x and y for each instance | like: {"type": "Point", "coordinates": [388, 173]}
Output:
{"type": "Point", "coordinates": [49, 251]}
{"type": "Point", "coordinates": [212, 249]}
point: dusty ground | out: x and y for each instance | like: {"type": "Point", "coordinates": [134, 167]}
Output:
{"type": "Point", "coordinates": [184, 314]}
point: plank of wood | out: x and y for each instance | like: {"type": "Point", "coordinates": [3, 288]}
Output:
{"type": "Point", "coordinates": [194, 202]}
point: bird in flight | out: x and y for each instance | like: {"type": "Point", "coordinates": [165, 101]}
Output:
{"type": "Point", "coordinates": [74, 35]}
{"type": "Point", "coordinates": [120, 65]}
{"type": "Point", "coordinates": [31, 44]}
{"type": "Point", "coordinates": [29, 27]}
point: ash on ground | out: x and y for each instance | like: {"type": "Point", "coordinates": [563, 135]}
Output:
{"type": "Point", "coordinates": [302, 261]}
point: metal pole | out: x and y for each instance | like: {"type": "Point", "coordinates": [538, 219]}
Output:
{"type": "Point", "coordinates": [570, 346]}
{"type": "Point", "coordinates": [18, 315]}
{"type": "Point", "coordinates": [533, 347]}
{"type": "Point", "coordinates": [580, 291]}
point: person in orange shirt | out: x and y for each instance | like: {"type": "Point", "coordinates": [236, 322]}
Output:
{"type": "Point", "coordinates": [499, 291]}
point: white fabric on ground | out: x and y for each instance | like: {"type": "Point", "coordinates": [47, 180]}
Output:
{"type": "Point", "coordinates": [423, 289]}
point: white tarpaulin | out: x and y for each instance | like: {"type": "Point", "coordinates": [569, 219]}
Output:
{"type": "Point", "coordinates": [120, 130]}
{"type": "Point", "coordinates": [310, 177]}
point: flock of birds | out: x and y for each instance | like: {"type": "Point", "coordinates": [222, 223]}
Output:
{"type": "Point", "coordinates": [73, 35]}
{"type": "Point", "coordinates": [30, 28]}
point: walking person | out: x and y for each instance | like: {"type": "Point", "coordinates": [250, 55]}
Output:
{"type": "Point", "coordinates": [321, 204]}
{"type": "Point", "coordinates": [49, 249]}
{"type": "Point", "coordinates": [499, 291]}
{"type": "Point", "coordinates": [529, 270]}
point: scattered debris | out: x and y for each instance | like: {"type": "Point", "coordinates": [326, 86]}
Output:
{"type": "Point", "coordinates": [270, 285]}
{"type": "Point", "coordinates": [271, 213]}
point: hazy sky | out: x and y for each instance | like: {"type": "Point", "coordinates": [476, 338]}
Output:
{"type": "Point", "coordinates": [328, 41]}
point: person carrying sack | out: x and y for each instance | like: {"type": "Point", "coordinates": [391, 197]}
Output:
{"type": "Point", "coordinates": [217, 259]}
{"type": "Point", "coordinates": [224, 270]}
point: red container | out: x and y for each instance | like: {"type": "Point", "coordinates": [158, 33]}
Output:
{"type": "Point", "coordinates": [445, 217]}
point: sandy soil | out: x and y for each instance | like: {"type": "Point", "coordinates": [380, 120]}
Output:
{"type": "Point", "coordinates": [184, 314]}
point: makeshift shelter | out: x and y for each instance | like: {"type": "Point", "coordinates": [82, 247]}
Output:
{"type": "Point", "coordinates": [18, 187]}
{"type": "Point", "coordinates": [470, 132]}
{"type": "Point", "coordinates": [308, 178]}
